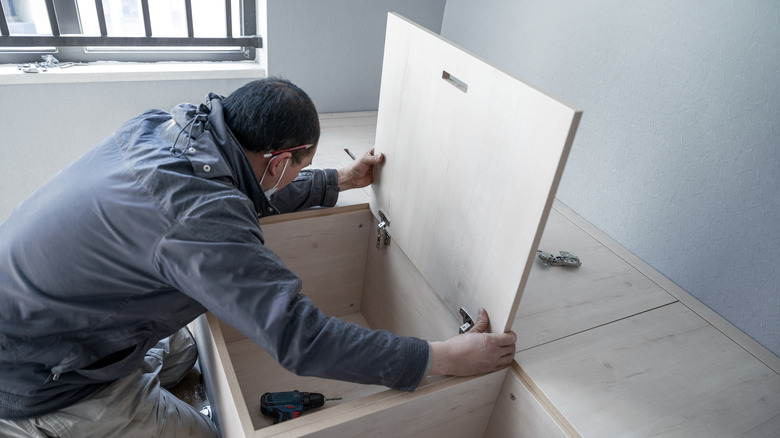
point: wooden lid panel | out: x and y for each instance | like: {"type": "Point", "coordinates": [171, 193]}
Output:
{"type": "Point", "coordinates": [473, 159]}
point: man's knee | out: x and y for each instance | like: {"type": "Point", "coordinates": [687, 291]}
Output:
{"type": "Point", "coordinates": [179, 354]}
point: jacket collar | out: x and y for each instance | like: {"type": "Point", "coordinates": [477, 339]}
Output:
{"type": "Point", "coordinates": [241, 172]}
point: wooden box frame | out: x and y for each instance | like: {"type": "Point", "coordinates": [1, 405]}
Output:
{"type": "Point", "coordinates": [441, 249]}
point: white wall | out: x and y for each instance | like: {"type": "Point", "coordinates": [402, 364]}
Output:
{"type": "Point", "coordinates": [677, 155]}
{"type": "Point", "coordinates": [333, 49]}
{"type": "Point", "coordinates": [45, 126]}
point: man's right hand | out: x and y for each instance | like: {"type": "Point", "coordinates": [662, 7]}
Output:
{"type": "Point", "coordinates": [358, 173]}
{"type": "Point", "coordinates": [474, 352]}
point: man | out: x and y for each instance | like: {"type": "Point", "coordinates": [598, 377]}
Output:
{"type": "Point", "coordinates": [102, 267]}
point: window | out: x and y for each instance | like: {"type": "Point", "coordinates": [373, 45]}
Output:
{"type": "Point", "coordinates": [128, 30]}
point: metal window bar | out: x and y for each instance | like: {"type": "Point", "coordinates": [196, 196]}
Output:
{"type": "Point", "coordinates": [229, 18]}
{"type": "Point", "coordinates": [147, 19]}
{"type": "Point", "coordinates": [3, 23]}
{"type": "Point", "coordinates": [188, 9]}
{"type": "Point", "coordinates": [101, 16]}
{"type": "Point", "coordinates": [104, 40]}
{"type": "Point", "coordinates": [55, 28]}
{"type": "Point", "coordinates": [250, 26]}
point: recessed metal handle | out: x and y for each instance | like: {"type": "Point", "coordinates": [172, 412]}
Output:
{"type": "Point", "coordinates": [455, 82]}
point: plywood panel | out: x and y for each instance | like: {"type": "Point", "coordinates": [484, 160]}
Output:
{"type": "Point", "coordinates": [355, 132]}
{"type": "Point", "coordinates": [518, 414]}
{"type": "Point", "coordinates": [224, 392]}
{"type": "Point", "coordinates": [397, 298]}
{"type": "Point", "coordinates": [470, 175]}
{"type": "Point", "coordinates": [327, 251]}
{"type": "Point", "coordinates": [352, 131]}
{"type": "Point", "coordinates": [258, 372]}
{"type": "Point", "coordinates": [561, 301]}
{"type": "Point", "coordinates": [457, 408]}
{"type": "Point", "coordinates": [663, 373]}
{"type": "Point", "coordinates": [749, 344]}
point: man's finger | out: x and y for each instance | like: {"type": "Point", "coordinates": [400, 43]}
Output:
{"type": "Point", "coordinates": [482, 322]}
{"type": "Point", "coordinates": [371, 159]}
{"type": "Point", "coordinates": [507, 339]}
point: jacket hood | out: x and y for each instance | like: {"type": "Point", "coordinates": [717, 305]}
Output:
{"type": "Point", "coordinates": [205, 124]}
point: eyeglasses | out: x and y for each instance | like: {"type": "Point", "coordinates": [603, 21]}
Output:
{"type": "Point", "coordinates": [303, 146]}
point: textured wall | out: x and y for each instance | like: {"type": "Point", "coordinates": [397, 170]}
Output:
{"type": "Point", "coordinates": [333, 49]}
{"type": "Point", "coordinates": [677, 154]}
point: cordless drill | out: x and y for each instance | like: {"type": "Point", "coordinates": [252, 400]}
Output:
{"type": "Point", "coordinates": [287, 405]}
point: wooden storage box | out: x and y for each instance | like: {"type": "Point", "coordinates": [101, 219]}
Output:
{"type": "Point", "coordinates": [473, 158]}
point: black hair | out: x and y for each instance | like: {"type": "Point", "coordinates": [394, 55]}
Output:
{"type": "Point", "coordinates": [272, 114]}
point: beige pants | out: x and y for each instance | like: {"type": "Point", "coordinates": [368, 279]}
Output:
{"type": "Point", "coordinates": [134, 406]}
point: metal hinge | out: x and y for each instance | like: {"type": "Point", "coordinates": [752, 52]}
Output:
{"type": "Point", "coordinates": [382, 235]}
{"type": "Point", "coordinates": [468, 321]}
{"type": "Point", "coordinates": [565, 259]}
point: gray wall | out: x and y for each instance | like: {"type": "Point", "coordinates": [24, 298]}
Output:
{"type": "Point", "coordinates": [333, 49]}
{"type": "Point", "coordinates": [677, 154]}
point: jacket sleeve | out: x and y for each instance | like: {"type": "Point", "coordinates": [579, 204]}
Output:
{"type": "Point", "coordinates": [241, 281]}
{"type": "Point", "coordinates": [312, 188]}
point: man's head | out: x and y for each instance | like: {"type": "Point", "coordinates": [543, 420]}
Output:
{"type": "Point", "coordinates": [278, 127]}
{"type": "Point", "coordinates": [272, 114]}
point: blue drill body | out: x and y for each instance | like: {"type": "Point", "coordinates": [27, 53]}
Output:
{"type": "Point", "coordinates": [287, 405]}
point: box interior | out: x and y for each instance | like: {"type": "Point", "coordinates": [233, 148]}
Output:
{"type": "Point", "coordinates": [334, 251]}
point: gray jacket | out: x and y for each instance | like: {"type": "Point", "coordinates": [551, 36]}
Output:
{"type": "Point", "coordinates": [146, 231]}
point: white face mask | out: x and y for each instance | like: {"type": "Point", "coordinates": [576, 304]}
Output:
{"type": "Point", "coordinates": [273, 189]}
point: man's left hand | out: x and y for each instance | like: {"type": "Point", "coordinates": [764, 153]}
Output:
{"type": "Point", "coordinates": [359, 173]}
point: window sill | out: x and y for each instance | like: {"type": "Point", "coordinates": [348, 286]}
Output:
{"type": "Point", "coordinates": [133, 72]}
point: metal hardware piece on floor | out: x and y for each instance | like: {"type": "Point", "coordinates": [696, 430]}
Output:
{"type": "Point", "coordinates": [565, 259]}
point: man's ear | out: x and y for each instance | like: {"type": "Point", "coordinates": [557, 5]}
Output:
{"type": "Point", "coordinates": [278, 164]}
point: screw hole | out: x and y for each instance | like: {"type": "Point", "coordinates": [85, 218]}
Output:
{"type": "Point", "coordinates": [512, 396]}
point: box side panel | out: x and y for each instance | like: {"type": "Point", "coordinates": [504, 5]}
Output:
{"type": "Point", "coordinates": [662, 373]}
{"type": "Point", "coordinates": [458, 407]}
{"type": "Point", "coordinates": [397, 298]}
{"type": "Point", "coordinates": [257, 372]}
{"type": "Point", "coordinates": [328, 252]}
{"type": "Point", "coordinates": [519, 414]}
{"type": "Point", "coordinates": [473, 158]}
{"type": "Point", "coordinates": [221, 385]}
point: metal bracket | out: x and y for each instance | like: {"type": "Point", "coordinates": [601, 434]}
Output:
{"type": "Point", "coordinates": [468, 321]}
{"type": "Point", "coordinates": [565, 259]}
{"type": "Point", "coordinates": [382, 235]}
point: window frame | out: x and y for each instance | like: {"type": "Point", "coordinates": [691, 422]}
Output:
{"type": "Point", "coordinates": [68, 44]}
